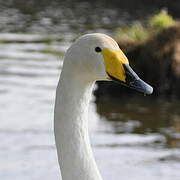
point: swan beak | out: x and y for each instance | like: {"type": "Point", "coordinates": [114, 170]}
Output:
{"type": "Point", "coordinates": [118, 69]}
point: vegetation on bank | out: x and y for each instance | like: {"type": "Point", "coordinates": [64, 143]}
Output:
{"type": "Point", "coordinates": [153, 50]}
{"type": "Point", "coordinates": [140, 32]}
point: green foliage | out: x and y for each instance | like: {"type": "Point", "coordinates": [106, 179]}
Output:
{"type": "Point", "coordinates": [160, 21]}
{"type": "Point", "coordinates": [136, 32]}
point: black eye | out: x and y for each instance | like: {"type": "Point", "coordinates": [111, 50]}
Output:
{"type": "Point", "coordinates": [98, 49]}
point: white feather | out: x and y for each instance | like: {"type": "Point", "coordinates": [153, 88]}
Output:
{"type": "Point", "coordinates": [82, 67]}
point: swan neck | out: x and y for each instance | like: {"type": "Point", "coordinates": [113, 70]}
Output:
{"type": "Point", "coordinates": [71, 129]}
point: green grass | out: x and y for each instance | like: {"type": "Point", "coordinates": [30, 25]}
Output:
{"type": "Point", "coordinates": [135, 32]}
{"type": "Point", "coordinates": [138, 32]}
{"type": "Point", "coordinates": [160, 21]}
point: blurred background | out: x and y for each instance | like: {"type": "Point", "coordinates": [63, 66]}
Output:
{"type": "Point", "coordinates": [133, 136]}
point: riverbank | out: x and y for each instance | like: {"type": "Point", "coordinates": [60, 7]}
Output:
{"type": "Point", "coordinates": [154, 54]}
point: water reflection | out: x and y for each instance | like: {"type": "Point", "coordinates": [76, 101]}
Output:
{"type": "Point", "coordinates": [128, 135]}
{"type": "Point", "coordinates": [143, 115]}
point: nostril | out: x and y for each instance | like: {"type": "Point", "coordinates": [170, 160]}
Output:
{"type": "Point", "coordinates": [130, 74]}
{"type": "Point", "coordinates": [129, 77]}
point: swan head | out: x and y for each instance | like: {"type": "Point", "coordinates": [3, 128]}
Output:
{"type": "Point", "coordinates": [96, 56]}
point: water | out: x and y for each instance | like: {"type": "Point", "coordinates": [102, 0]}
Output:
{"type": "Point", "coordinates": [76, 15]}
{"type": "Point", "coordinates": [131, 138]}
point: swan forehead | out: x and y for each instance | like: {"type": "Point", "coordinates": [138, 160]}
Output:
{"type": "Point", "coordinates": [97, 39]}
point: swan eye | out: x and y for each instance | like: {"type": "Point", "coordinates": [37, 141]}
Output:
{"type": "Point", "coordinates": [98, 49]}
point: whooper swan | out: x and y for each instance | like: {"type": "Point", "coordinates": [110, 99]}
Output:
{"type": "Point", "coordinates": [92, 57]}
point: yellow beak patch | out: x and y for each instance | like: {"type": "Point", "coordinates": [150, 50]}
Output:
{"type": "Point", "coordinates": [114, 60]}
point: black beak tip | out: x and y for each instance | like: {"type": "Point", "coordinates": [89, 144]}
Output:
{"type": "Point", "coordinates": [135, 82]}
{"type": "Point", "coordinates": [150, 90]}
{"type": "Point", "coordinates": [141, 86]}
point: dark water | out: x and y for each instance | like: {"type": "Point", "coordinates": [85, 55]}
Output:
{"type": "Point", "coordinates": [144, 115]}
{"type": "Point", "coordinates": [132, 138]}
